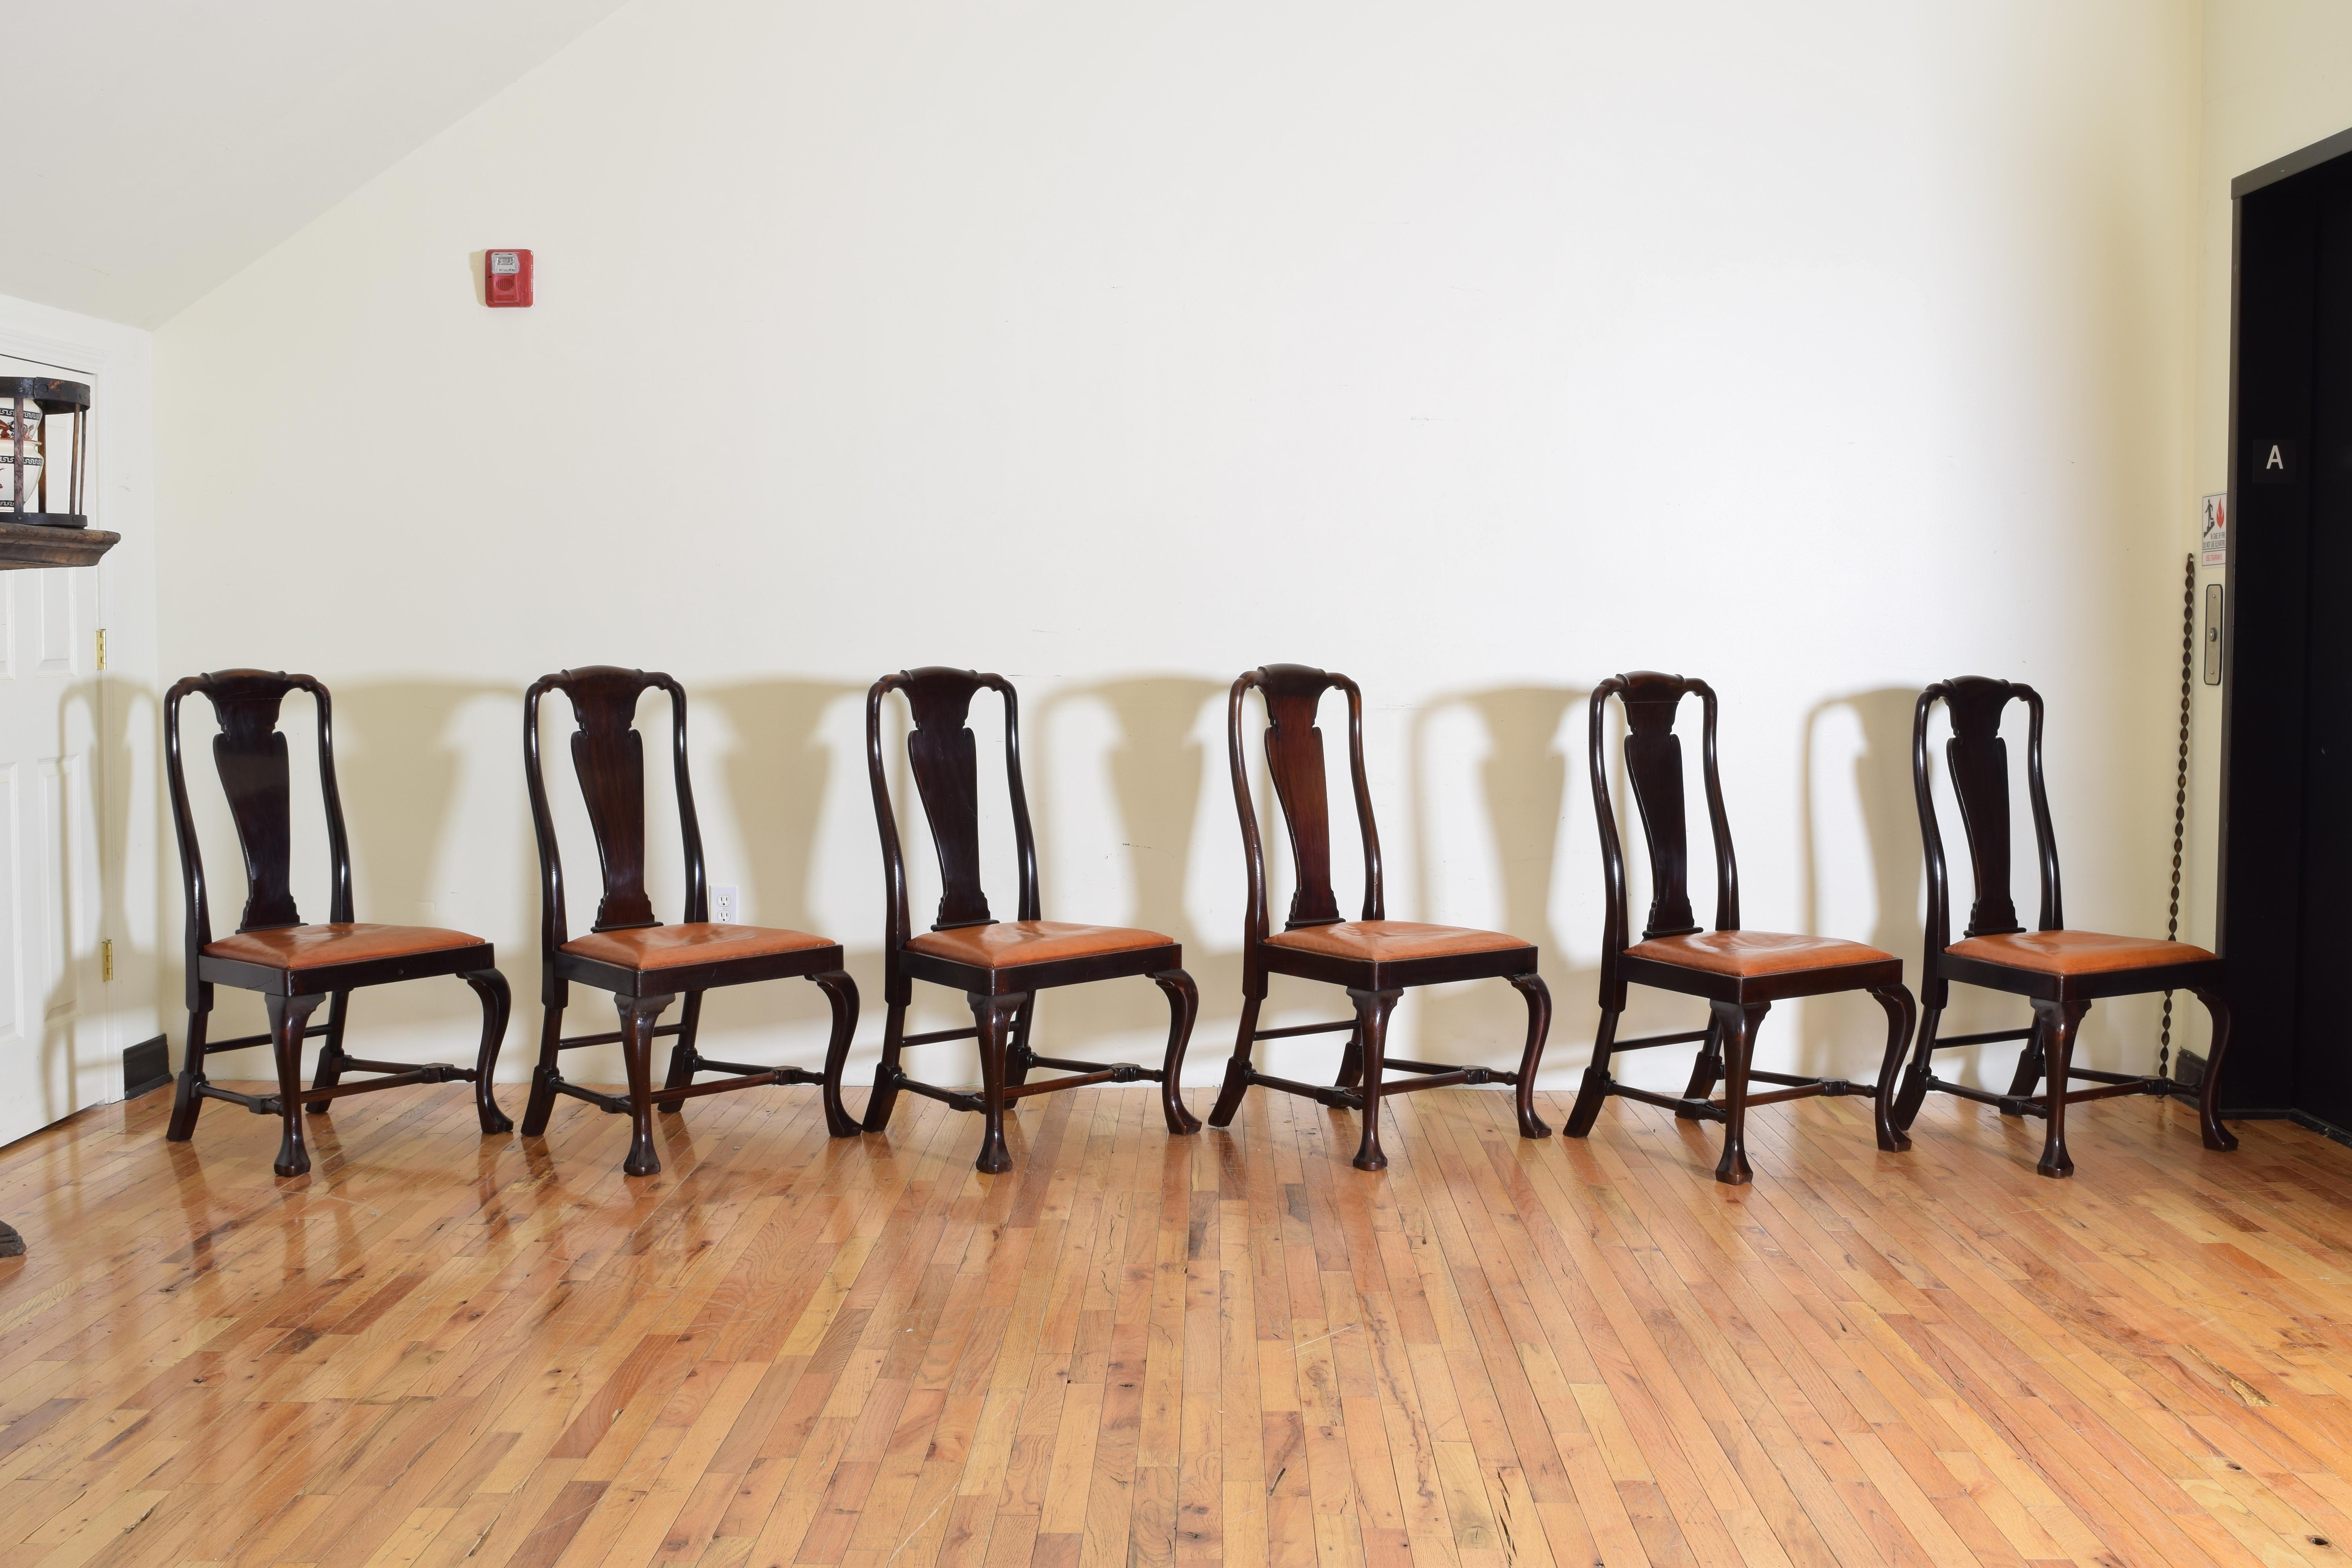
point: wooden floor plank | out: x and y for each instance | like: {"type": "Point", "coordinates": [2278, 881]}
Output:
{"type": "Point", "coordinates": [439, 1349]}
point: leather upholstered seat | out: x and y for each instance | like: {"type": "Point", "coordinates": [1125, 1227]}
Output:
{"type": "Point", "coordinates": [2059, 973]}
{"type": "Point", "coordinates": [1389, 941]}
{"type": "Point", "coordinates": [1741, 973]}
{"type": "Point", "coordinates": [2076, 952]}
{"type": "Point", "coordinates": [644, 964]}
{"type": "Point", "coordinates": [1372, 960]}
{"type": "Point", "coordinates": [297, 966]}
{"type": "Point", "coordinates": [1749, 952]}
{"type": "Point", "coordinates": [343, 941]}
{"type": "Point", "coordinates": [1001, 966]}
{"type": "Point", "coordinates": [688, 942]}
{"type": "Point", "coordinates": [1008, 943]}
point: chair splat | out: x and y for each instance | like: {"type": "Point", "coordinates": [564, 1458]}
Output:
{"type": "Point", "coordinates": [609, 756]}
{"type": "Point", "coordinates": [945, 760]}
{"type": "Point", "coordinates": [1979, 761]}
{"type": "Point", "coordinates": [1294, 760]}
{"type": "Point", "coordinates": [250, 754]}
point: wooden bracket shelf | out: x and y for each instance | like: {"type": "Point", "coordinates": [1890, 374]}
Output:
{"type": "Point", "coordinates": [26, 545]}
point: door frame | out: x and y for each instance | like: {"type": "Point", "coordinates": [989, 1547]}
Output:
{"type": "Point", "coordinates": [2259, 861]}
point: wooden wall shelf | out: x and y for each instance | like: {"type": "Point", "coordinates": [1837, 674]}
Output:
{"type": "Point", "coordinates": [24, 546]}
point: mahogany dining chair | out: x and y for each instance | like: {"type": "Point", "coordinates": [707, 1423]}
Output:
{"type": "Point", "coordinates": [2059, 973]}
{"type": "Point", "coordinates": [999, 965]}
{"type": "Point", "coordinates": [1374, 958]}
{"type": "Point", "coordinates": [1738, 972]}
{"type": "Point", "coordinates": [295, 966]}
{"type": "Point", "coordinates": [629, 952]}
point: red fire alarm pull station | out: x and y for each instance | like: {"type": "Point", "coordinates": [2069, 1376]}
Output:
{"type": "Point", "coordinates": [506, 277]}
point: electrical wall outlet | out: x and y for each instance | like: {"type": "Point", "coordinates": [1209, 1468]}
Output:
{"type": "Point", "coordinates": [725, 906]}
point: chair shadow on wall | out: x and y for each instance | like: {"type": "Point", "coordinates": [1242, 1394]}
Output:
{"type": "Point", "coordinates": [398, 765]}
{"type": "Point", "coordinates": [1844, 1033]}
{"type": "Point", "coordinates": [1523, 780]}
{"type": "Point", "coordinates": [1157, 766]}
{"type": "Point", "coordinates": [771, 786]}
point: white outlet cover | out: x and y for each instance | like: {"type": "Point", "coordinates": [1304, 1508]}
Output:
{"type": "Point", "coordinates": [724, 905]}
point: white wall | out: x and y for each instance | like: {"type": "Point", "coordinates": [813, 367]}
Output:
{"type": "Point", "coordinates": [1480, 351]}
{"type": "Point", "coordinates": [2273, 82]}
{"type": "Point", "coordinates": [122, 457]}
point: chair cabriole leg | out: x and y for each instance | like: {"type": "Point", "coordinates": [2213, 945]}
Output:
{"type": "Point", "coordinates": [1372, 1009]}
{"type": "Point", "coordinates": [1538, 995]}
{"type": "Point", "coordinates": [2058, 1021]}
{"type": "Point", "coordinates": [885, 1097]}
{"type": "Point", "coordinates": [1901, 1011]}
{"type": "Point", "coordinates": [1018, 1055]}
{"type": "Point", "coordinates": [841, 991]}
{"type": "Point", "coordinates": [2209, 1094]}
{"type": "Point", "coordinates": [1706, 1070]}
{"type": "Point", "coordinates": [186, 1099]}
{"type": "Point", "coordinates": [639, 1016]}
{"type": "Point", "coordinates": [497, 1004]}
{"type": "Point", "coordinates": [1183, 1003]}
{"type": "Point", "coordinates": [993, 1017]}
{"type": "Point", "coordinates": [683, 1057]}
{"type": "Point", "coordinates": [1914, 1091]}
{"type": "Point", "coordinates": [288, 1015]}
{"type": "Point", "coordinates": [2031, 1063]}
{"type": "Point", "coordinates": [1595, 1087]}
{"type": "Point", "coordinates": [1738, 1027]}
{"type": "Point", "coordinates": [1351, 1058]}
{"type": "Point", "coordinates": [330, 1070]}
{"type": "Point", "coordinates": [1237, 1067]}
{"type": "Point", "coordinates": [543, 1076]}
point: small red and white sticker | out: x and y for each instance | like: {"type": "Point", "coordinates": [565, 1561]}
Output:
{"type": "Point", "coordinates": [2217, 522]}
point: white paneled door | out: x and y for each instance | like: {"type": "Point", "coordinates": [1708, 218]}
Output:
{"type": "Point", "coordinates": [52, 1028]}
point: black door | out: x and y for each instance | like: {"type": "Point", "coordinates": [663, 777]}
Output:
{"type": "Point", "coordinates": [2286, 918]}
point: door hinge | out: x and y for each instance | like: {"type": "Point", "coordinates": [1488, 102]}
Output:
{"type": "Point", "coordinates": [106, 960]}
{"type": "Point", "coordinates": [101, 647]}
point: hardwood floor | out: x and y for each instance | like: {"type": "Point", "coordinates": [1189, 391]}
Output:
{"type": "Point", "coordinates": [438, 1350]}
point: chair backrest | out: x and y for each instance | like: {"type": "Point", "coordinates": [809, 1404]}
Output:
{"type": "Point", "coordinates": [1976, 759]}
{"type": "Point", "coordinates": [251, 755]}
{"type": "Point", "coordinates": [945, 762]}
{"type": "Point", "coordinates": [1294, 760]}
{"type": "Point", "coordinates": [608, 755]}
{"type": "Point", "coordinates": [1654, 765]}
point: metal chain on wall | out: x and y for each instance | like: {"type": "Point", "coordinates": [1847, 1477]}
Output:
{"type": "Point", "coordinates": [2179, 793]}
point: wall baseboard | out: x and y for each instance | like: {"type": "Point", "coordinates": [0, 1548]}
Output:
{"type": "Point", "coordinates": [146, 1066]}
{"type": "Point", "coordinates": [2303, 1118]}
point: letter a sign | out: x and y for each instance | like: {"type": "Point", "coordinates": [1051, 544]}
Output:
{"type": "Point", "coordinates": [2275, 463]}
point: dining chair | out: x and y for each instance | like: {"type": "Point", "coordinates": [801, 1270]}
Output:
{"type": "Point", "coordinates": [1001, 966]}
{"type": "Point", "coordinates": [631, 953]}
{"type": "Point", "coordinates": [1739, 973]}
{"type": "Point", "coordinates": [2059, 972]}
{"type": "Point", "coordinates": [1376, 959]}
{"type": "Point", "coordinates": [293, 965]}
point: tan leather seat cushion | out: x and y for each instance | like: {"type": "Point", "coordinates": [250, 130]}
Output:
{"type": "Point", "coordinates": [315, 947]}
{"type": "Point", "coordinates": [1010, 942]}
{"type": "Point", "coordinates": [1389, 941]}
{"type": "Point", "coordinates": [1750, 953]}
{"type": "Point", "coordinates": [2076, 952]}
{"type": "Point", "coordinates": [701, 942]}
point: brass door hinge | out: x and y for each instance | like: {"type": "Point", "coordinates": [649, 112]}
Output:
{"type": "Point", "coordinates": [101, 647]}
{"type": "Point", "coordinates": [106, 957]}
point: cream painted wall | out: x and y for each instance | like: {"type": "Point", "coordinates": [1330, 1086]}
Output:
{"type": "Point", "coordinates": [2274, 81]}
{"type": "Point", "coordinates": [1479, 351]}
{"type": "Point", "coordinates": [122, 469]}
